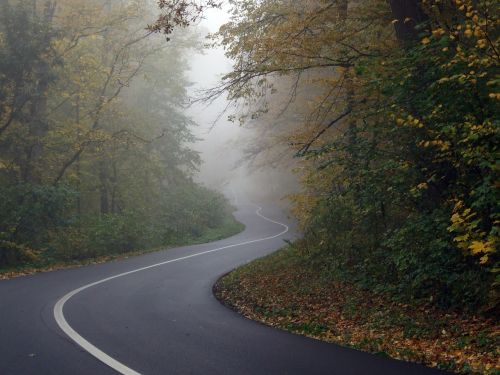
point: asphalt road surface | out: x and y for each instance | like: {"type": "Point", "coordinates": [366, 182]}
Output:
{"type": "Point", "coordinates": [156, 314]}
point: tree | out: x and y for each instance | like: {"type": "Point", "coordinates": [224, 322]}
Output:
{"type": "Point", "coordinates": [398, 135]}
{"type": "Point", "coordinates": [94, 143]}
{"type": "Point", "coordinates": [26, 72]}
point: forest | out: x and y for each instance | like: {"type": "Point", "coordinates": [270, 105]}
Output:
{"type": "Point", "coordinates": [384, 111]}
{"type": "Point", "coordinates": [95, 156]}
{"type": "Point", "coordinates": [390, 109]}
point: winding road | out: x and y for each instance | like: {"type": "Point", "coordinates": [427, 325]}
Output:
{"type": "Point", "coordinates": [155, 314]}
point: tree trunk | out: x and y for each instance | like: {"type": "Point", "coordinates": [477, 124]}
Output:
{"type": "Point", "coordinates": [352, 130]}
{"type": "Point", "coordinates": [103, 187]}
{"type": "Point", "coordinates": [38, 126]}
{"type": "Point", "coordinates": [78, 166]}
{"type": "Point", "coordinates": [114, 187]}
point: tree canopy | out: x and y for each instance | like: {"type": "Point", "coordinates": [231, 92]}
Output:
{"type": "Point", "coordinates": [395, 127]}
{"type": "Point", "coordinates": [95, 153]}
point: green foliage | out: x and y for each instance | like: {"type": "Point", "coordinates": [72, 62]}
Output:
{"type": "Point", "coordinates": [27, 211]}
{"type": "Point", "coordinates": [13, 254]}
{"type": "Point", "coordinates": [24, 47]}
{"type": "Point", "coordinates": [94, 141]}
{"type": "Point", "coordinates": [426, 266]}
{"type": "Point", "coordinates": [398, 138]}
{"type": "Point", "coordinates": [417, 214]}
{"type": "Point", "coordinates": [44, 218]}
{"type": "Point", "coordinates": [27, 214]}
{"type": "Point", "coordinates": [183, 218]}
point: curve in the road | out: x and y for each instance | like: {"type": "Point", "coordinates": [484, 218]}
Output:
{"type": "Point", "coordinates": [99, 354]}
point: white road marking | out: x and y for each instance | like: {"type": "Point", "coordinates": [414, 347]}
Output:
{"type": "Point", "coordinates": [99, 354]}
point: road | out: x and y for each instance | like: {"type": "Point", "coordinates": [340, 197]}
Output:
{"type": "Point", "coordinates": [156, 314]}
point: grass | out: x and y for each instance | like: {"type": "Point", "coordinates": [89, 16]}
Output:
{"type": "Point", "coordinates": [286, 291]}
{"type": "Point", "coordinates": [45, 263]}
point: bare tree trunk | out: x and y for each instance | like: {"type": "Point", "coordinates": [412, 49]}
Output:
{"type": "Point", "coordinates": [38, 126]}
{"type": "Point", "coordinates": [114, 188]}
{"type": "Point", "coordinates": [78, 167]}
{"type": "Point", "coordinates": [352, 128]}
{"type": "Point", "coordinates": [37, 129]}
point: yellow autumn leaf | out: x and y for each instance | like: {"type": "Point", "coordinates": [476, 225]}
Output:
{"type": "Point", "coordinates": [479, 247]}
{"type": "Point", "coordinates": [463, 238]}
{"type": "Point", "coordinates": [456, 219]}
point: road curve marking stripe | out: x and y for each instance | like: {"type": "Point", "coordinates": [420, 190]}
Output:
{"type": "Point", "coordinates": [99, 354]}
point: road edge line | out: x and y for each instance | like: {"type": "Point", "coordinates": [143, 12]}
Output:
{"type": "Point", "coordinates": [99, 354]}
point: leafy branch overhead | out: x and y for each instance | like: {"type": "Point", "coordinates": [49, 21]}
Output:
{"type": "Point", "coordinates": [392, 110]}
{"type": "Point", "coordinates": [181, 13]}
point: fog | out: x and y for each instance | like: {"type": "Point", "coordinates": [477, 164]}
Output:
{"type": "Point", "coordinates": [223, 144]}
{"type": "Point", "coordinates": [96, 139]}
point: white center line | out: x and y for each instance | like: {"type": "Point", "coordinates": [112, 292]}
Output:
{"type": "Point", "coordinates": [99, 354]}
